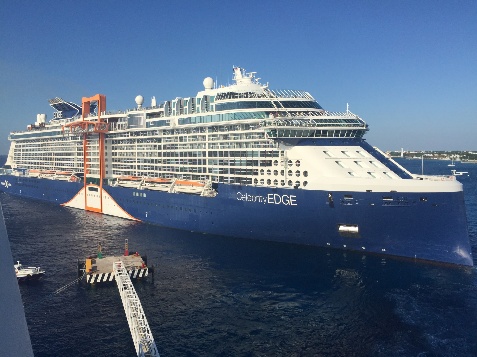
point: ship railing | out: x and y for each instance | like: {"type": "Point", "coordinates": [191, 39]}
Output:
{"type": "Point", "coordinates": [289, 93]}
{"type": "Point", "coordinates": [113, 112]}
{"type": "Point", "coordinates": [434, 177]}
{"type": "Point", "coordinates": [312, 123]}
{"type": "Point", "coordinates": [315, 114]}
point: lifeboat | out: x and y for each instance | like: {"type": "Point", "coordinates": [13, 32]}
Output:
{"type": "Point", "coordinates": [63, 175]}
{"type": "Point", "coordinates": [49, 174]}
{"type": "Point", "coordinates": [157, 183]}
{"type": "Point", "coordinates": [188, 186]}
{"type": "Point", "coordinates": [34, 172]}
{"type": "Point", "coordinates": [129, 181]}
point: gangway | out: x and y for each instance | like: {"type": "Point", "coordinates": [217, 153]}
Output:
{"type": "Point", "coordinates": [138, 325]}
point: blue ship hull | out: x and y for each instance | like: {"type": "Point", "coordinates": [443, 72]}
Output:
{"type": "Point", "coordinates": [400, 224]}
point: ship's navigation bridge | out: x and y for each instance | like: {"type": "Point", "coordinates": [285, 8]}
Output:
{"type": "Point", "coordinates": [140, 331]}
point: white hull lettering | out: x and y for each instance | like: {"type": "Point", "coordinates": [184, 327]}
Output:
{"type": "Point", "coordinates": [271, 198]}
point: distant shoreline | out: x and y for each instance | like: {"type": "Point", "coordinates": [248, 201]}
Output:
{"type": "Point", "coordinates": [433, 158]}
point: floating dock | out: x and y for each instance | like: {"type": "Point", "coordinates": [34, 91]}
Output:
{"type": "Point", "coordinates": [100, 269]}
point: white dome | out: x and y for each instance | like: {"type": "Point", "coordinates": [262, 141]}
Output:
{"type": "Point", "coordinates": [139, 100]}
{"type": "Point", "coordinates": [208, 83]}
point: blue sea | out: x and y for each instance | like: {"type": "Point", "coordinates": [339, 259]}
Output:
{"type": "Point", "coordinates": [220, 296]}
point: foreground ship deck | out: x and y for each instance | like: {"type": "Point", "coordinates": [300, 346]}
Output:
{"type": "Point", "coordinates": [241, 160]}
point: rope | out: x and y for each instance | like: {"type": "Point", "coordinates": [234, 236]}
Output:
{"type": "Point", "coordinates": [69, 284]}
{"type": "Point", "coordinates": [49, 296]}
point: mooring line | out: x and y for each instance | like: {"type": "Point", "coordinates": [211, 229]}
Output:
{"type": "Point", "coordinates": [69, 284]}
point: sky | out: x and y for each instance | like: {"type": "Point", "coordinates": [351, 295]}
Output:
{"type": "Point", "coordinates": [408, 68]}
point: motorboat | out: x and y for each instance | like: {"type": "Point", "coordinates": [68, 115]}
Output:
{"type": "Point", "coordinates": [27, 273]}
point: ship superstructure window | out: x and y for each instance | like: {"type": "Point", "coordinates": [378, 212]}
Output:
{"type": "Point", "coordinates": [361, 153]}
{"type": "Point", "coordinates": [387, 174]}
{"type": "Point", "coordinates": [341, 163]}
{"type": "Point", "coordinates": [372, 174]}
{"type": "Point", "coordinates": [361, 164]}
{"type": "Point", "coordinates": [346, 153]}
{"type": "Point", "coordinates": [266, 104]}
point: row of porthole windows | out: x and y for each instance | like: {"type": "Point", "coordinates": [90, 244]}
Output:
{"type": "Point", "coordinates": [282, 173]}
{"type": "Point", "coordinates": [282, 182]}
{"type": "Point", "coordinates": [289, 163]}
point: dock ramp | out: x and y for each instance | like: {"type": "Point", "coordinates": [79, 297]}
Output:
{"type": "Point", "coordinates": [138, 325]}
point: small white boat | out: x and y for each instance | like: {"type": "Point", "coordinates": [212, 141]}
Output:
{"type": "Point", "coordinates": [189, 186]}
{"type": "Point", "coordinates": [458, 173]}
{"type": "Point", "coordinates": [27, 273]}
{"type": "Point", "coordinates": [129, 181]}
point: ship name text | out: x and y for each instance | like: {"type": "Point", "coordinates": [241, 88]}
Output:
{"type": "Point", "coordinates": [271, 198]}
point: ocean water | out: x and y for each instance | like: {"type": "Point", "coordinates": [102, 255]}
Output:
{"type": "Point", "coordinates": [220, 296]}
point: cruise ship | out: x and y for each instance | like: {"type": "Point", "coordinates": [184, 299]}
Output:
{"type": "Point", "coordinates": [240, 160]}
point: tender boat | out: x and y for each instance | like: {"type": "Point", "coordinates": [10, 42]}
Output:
{"type": "Point", "coordinates": [27, 273]}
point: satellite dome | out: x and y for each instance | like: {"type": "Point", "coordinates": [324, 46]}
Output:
{"type": "Point", "coordinates": [139, 100]}
{"type": "Point", "coordinates": [208, 83]}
